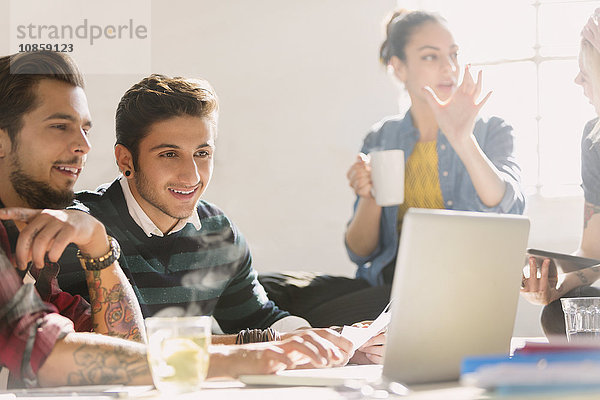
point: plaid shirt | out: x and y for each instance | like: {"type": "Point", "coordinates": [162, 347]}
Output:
{"type": "Point", "coordinates": [30, 320]}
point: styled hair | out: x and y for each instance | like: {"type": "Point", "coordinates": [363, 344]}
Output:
{"type": "Point", "coordinates": [157, 98]}
{"type": "Point", "coordinates": [590, 58]}
{"type": "Point", "coordinates": [399, 27]}
{"type": "Point", "coordinates": [20, 74]}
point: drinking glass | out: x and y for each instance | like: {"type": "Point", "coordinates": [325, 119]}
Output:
{"type": "Point", "coordinates": [582, 318]}
{"type": "Point", "coordinates": [178, 352]}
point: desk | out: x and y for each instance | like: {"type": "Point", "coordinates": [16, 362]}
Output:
{"type": "Point", "coordinates": [235, 390]}
{"type": "Point", "coordinates": [232, 390]}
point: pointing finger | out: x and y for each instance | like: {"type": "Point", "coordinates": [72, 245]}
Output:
{"type": "Point", "coordinates": [18, 214]}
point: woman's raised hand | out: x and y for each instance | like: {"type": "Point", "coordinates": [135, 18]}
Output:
{"type": "Point", "coordinates": [456, 116]}
{"type": "Point", "coordinates": [591, 30]}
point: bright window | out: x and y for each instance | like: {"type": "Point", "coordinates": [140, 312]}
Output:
{"type": "Point", "coordinates": [528, 53]}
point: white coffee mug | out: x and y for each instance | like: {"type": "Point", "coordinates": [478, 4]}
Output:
{"type": "Point", "coordinates": [387, 175]}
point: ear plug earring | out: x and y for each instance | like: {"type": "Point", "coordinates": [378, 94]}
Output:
{"type": "Point", "coordinates": [127, 172]}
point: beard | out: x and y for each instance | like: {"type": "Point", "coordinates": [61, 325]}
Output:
{"type": "Point", "coordinates": [38, 194]}
{"type": "Point", "coordinates": [142, 184]}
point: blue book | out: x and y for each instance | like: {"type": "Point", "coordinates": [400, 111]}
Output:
{"type": "Point", "coordinates": [471, 364]}
{"type": "Point", "coordinates": [535, 372]}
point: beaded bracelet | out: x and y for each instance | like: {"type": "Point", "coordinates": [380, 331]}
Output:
{"type": "Point", "coordinates": [257, 336]}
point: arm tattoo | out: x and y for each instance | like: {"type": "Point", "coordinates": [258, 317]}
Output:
{"type": "Point", "coordinates": [118, 314]}
{"type": "Point", "coordinates": [106, 366]}
{"type": "Point", "coordinates": [582, 277]}
{"type": "Point", "coordinates": [588, 212]}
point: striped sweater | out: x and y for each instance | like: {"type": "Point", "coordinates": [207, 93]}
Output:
{"type": "Point", "coordinates": [205, 272]}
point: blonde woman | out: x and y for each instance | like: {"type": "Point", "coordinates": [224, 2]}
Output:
{"type": "Point", "coordinates": [548, 289]}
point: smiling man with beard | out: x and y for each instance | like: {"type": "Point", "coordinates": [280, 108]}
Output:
{"type": "Point", "coordinates": [44, 125]}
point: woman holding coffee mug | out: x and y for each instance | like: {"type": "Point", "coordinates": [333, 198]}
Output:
{"type": "Point", "coordinates": [454, 160]}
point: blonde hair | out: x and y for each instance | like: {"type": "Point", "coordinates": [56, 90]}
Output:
{"type": "Point", "coordinates": [590, 58]}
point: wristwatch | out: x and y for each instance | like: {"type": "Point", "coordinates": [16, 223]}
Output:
{"type": "Point", "coordinates": [106, 260]}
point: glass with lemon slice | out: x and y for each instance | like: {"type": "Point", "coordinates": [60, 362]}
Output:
{"type": "Point", "coordinates": [178, 352]}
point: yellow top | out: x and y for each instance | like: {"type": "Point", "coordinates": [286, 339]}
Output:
{"type": "Point", "coordinates": [421, 180]}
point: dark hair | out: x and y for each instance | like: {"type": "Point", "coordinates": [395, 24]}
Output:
{"type": "Point", "coordinates": [400, 26]}
{"type": "Point", "coordinates": [19, 75]}
{"type": "Point", "coordinates": [157, 98]}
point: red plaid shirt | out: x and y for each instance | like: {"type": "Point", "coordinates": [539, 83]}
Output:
{"type": "Point", "coordinates": [31, 321]}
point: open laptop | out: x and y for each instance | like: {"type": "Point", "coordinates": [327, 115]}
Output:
{"type": "Point", "coordinates": [455, 292]}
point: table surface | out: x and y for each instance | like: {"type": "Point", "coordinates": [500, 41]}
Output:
{"type": "Point", "coordinates": [232, 390]}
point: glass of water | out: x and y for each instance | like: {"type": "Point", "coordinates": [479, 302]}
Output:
{"type": "Point", "coordinates": [582, 318]}
{"type": "Point", "coordinates": [178, 352]}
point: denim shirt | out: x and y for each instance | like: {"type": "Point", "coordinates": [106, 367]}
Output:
{"type": "Point", "coordinates": [495, 138]}
{"type": "Point", "coordinates": [590, 165]}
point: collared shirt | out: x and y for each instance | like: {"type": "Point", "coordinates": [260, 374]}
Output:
{"type": "Point", "coordinates": [32, 318]}
{"type": "Point", "coordinates": [286, 324]}
{"type": "Point", "coordinates": [144, 222]}
{"type": "Point", "coordinates": [496, 139]}
{"type": "Point", "coordinates": [206, 272]}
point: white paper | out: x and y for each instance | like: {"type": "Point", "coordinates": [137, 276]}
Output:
{"type": "Point", "coordinates": [359, 336]}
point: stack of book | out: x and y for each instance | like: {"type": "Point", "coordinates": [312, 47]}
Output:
{"type": "Point", "coordinates": [537, 368]}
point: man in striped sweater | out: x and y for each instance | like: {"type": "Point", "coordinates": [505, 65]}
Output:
{"type": "Point", "coordinates": [45, 333]}
{"type": "Point", "coordinates": [181, 254]}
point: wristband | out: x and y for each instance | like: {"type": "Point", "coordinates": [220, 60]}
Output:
{"type": "Point", "coordinates": [106, 260]}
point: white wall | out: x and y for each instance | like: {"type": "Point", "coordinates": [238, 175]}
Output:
{"type": "Point", "coordinates": [299, 85]}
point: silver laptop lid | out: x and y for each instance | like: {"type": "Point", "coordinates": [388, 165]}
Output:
{"type": "Point", "coordinates": [455, 291]}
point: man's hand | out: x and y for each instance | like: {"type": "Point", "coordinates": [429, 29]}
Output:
{"type": "Point", "coordinates": [334, 349]}
{"type": "Point", "coordinates": [46, 233]}
{"type": "Point", "coordinates": [50, 232]}
{"type": "Point", "coordinates": [310, 348]}
{"type": "Point", "coordinates": [372, 351]}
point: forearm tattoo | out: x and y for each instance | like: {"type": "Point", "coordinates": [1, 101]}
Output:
{"type": "Point", "coordinates": [582, 277]}
{"type": "Point", "coordinates": [98, 365]}
{"type": "Point", "coordinates": [117, 311]}
{"type": "Point", "coordinates": [588, 212]}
